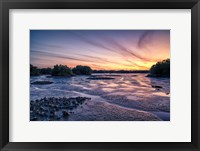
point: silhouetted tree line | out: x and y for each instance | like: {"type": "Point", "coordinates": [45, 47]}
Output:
{"type": "Point", "coordinates": [160, 69]}
{"type": "Point", "coordinates": [82, 70]}
{"type": "Point", "coordinates": [34, 71]}
{"type": "Point", "coordinates": [60, 70]}
{"type": "Point", "coordinates": [45, 71]}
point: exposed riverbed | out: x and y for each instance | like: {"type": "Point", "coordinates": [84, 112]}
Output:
{"type": "Point", "coordinates": [114, 97]}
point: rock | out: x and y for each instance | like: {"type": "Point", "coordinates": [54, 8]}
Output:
{"type": "Point", "coordinates": [31, 108]}
{"type": "Point", "coordinates": [42, 113]}
{"type": "Point", "coordinates": [42, 108]}
{"type": "Point", "coordinates": [49, 77]}
{"type": "Point", "coordinates": [52, 108]}
{"type": "Point", "coordinates": [51, 115]}
{"type": "Point", "coordinates": [65, 113]}
{"type": "Point", "coordinates": [52, 112]}
{"type": "Point", "coordinates": [34, 119]}
{"type": "Point", "coordinates": [156, 86]}
{"type": "Point", "coordinates": [100, 78]}
{"type": "Point", "coordinates": [42, 82]}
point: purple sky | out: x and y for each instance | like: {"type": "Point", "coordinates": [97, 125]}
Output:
{"type": "Point", "coordinates": [99, 49]}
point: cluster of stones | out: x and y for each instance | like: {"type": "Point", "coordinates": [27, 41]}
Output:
{"type": "Point", "coordinates": [53, 108]}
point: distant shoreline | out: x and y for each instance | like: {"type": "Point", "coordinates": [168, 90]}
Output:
{"type": "Point", "coordinates": [120, 71]}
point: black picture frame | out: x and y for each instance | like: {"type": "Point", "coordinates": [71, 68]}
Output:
{"type": "Point", "coordinates": [5, 5]}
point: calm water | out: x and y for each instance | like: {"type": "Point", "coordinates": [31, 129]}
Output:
{"type": "Point", "coordinates": [126, 97]}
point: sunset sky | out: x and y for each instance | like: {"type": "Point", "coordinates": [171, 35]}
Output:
{"type": "Point", "coordinates": [99, 49]}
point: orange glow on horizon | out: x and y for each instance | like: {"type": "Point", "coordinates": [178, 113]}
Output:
{"type": "Point", "coordinates": [100, 49]}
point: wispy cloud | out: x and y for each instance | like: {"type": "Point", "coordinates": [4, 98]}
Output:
{"type": "Point", "coordinates": [143, 39]}
{"type": "Point", "coordinates": [95, 43]}
{"type": "Point", "coordinates": [111, 45]}
{"type": "Point", "coordinates": [61, 56]}
{"type": "Point", "coordinates": [98, 48]}
{"type": "Point", "coordinates": [126, 51]}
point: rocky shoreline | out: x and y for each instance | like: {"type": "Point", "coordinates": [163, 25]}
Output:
{"type": "Point", "coordinates": [54, 109]}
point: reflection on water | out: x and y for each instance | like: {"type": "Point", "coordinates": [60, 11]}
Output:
{"type": "Point", "coordinates": [131, 91]}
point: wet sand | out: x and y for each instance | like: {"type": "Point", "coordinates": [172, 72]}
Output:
{"type": "Point", "coordinates": [124, 97]}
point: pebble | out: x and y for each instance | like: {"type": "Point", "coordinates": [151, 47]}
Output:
{"type": "Point", "coordinates": [156, 86]}
{"type": "Point", "coordinates": [48, 108]}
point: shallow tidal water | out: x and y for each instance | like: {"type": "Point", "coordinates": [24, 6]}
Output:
{"type": "Point", "coordinates": [127, 97]}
